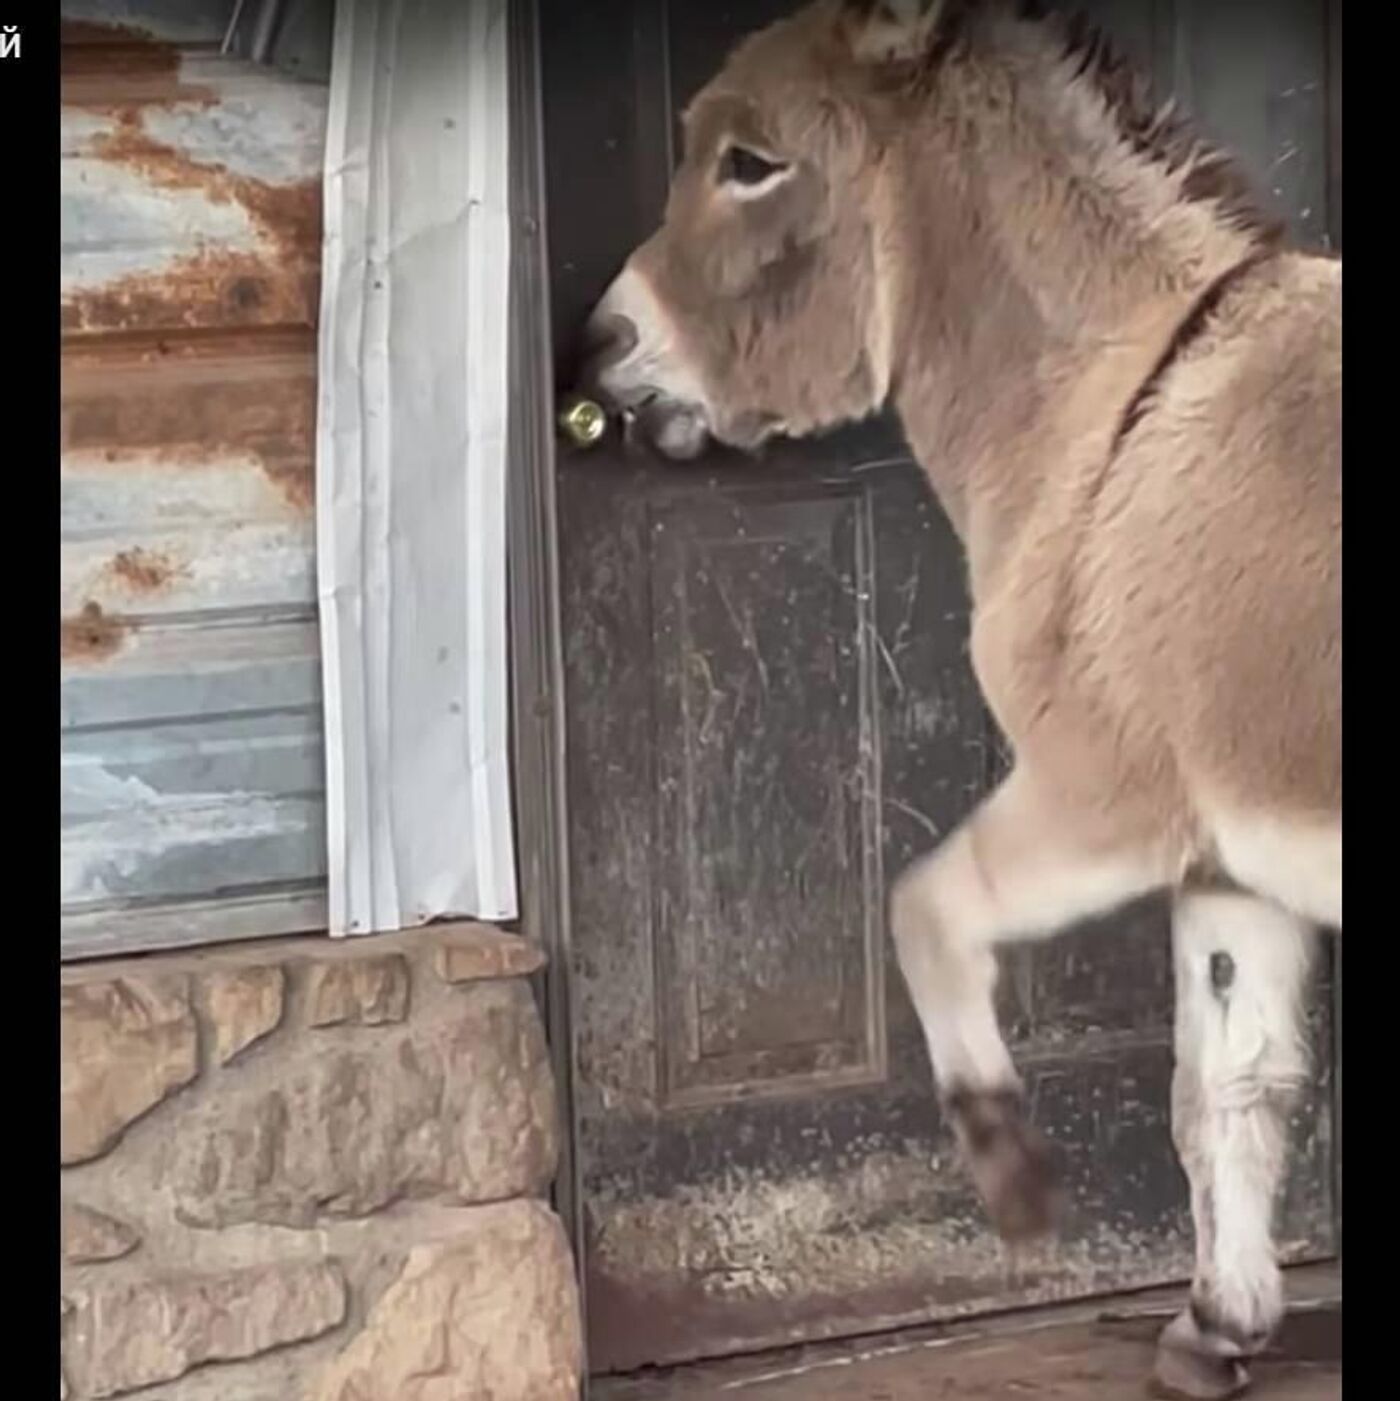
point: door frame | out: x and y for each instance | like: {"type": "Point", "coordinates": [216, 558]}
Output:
{"type": "Point", "coordinates": [535, 633]}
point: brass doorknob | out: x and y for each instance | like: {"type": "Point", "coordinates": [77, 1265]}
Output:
{"type": "Point", "coordinates": [582, 421]}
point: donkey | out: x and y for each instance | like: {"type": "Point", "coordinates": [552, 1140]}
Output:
{"type": "Point", "coordinates": [1125, 390]}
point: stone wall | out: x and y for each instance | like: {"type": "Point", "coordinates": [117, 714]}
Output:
{"type": "Point", "coordinates": [305, 1170]}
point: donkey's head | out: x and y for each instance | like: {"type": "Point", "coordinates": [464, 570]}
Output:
{"type": "Point", "coordinates": [756, 308]}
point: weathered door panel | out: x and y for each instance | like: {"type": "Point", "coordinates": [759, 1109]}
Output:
{"type": "Point", "coordinates": [770, 712]}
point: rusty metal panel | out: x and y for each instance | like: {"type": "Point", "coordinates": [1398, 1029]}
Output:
{"type": "Point", "coordinates": [298, 41]}
{"type": "Point", "coordinates": [187, 474]}
{"type": "Point", "coordinates": [192, 772]}
{"type": "Point", "coordinates": [108, 22]}
{"type": "Point", "coordinates": [190, 193]}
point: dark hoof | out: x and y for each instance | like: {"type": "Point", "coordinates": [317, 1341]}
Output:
{"type": "Point", "coordinates": [1014, 1166]}
{"type": "Point", "coordinates": [1197, 1376]}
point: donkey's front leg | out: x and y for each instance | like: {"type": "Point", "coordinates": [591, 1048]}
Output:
{"type": "Point", "coordinates": [1021, 866]}
{"type": "Point", "coordinates": [1241, 1063]}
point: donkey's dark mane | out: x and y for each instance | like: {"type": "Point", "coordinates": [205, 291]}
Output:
{"type": "Point", "coordinates": [1159, 132]}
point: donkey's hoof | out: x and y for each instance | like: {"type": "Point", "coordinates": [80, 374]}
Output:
{"type": "Point", "coordinates": [1184, 1375]}
{"type": "Point", "coordinates": [1015, 1167]}
{"type": "Point", "coordinates": [1197, 1364]}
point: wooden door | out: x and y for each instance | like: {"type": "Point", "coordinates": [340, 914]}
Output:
{"type": "Point", "coordinates": [770, 711]}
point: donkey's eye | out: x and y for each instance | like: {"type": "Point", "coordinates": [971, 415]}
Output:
{"type": "Point", "coordinates": [740, 166]}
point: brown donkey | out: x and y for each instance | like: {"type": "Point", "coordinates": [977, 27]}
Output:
{"type": "Point", "coordinates": [1126, 394]}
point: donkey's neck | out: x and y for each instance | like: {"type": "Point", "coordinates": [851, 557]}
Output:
{"type": "Point", "coordinates": [1031, 241]}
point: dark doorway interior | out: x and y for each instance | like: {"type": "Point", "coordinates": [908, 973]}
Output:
{"type": "Point", "coordinates": [768, 712]}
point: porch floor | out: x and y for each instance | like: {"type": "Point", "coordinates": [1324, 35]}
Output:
{"type": "Point", "coordinates": [1101, 1351]}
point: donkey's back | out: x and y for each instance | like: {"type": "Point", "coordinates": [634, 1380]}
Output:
{"type": "Point", "coordinates": [1213, 572]}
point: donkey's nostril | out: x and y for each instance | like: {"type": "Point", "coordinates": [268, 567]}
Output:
{"type": "Point", "coordinates": [610, 337]}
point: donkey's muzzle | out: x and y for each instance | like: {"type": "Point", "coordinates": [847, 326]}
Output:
{"type": "Point", "coordinates": [633, 368]}
{"type": "Point", "coordinates": [675, 430]}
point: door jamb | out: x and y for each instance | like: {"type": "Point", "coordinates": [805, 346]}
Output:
{"type": "Point", "coordinates": [537, 670]}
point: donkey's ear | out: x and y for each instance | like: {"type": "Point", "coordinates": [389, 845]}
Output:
{"type": "Point", "coordinates": [890, 31]}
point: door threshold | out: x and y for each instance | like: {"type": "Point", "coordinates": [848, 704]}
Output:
{"type": "Point", "coordinates": [1095, 1343]}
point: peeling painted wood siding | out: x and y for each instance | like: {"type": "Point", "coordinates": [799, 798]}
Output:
{"type": "Point", "coordinates": [193, 783]}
